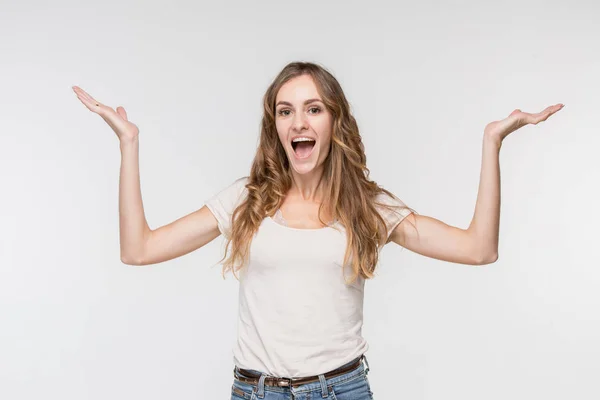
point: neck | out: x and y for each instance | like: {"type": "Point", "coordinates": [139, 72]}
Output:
{"type": "Point", "coordinates": [307, 186]}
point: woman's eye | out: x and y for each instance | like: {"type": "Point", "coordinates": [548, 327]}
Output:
{"type": "Point", "coordinates": [285, 112]}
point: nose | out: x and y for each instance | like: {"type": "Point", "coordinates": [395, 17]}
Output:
{"type": "Point", "coordinates": [300, 122]}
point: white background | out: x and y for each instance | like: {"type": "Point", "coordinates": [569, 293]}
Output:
{"type": "Point", "coordinates": [423, 81]}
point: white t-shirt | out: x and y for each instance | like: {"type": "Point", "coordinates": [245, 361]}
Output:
{"type": "Point", "coordinates": [297, 316]}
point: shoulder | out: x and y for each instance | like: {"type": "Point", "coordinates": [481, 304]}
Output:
{"type": "Point", "coordinates": [236, 188]}
{"type": "Point", "coordinates": [232, 194]}
{"type": "Point", "coordinates": [240, 183]}
{"type": "Point", "coordinates": [224, 203]}
{"type": "Point", "coordinates": [391, 207]}
{"type": "Point", "coordinates": [386, 198]}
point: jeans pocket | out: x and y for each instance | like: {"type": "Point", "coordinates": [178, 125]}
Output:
{"type": "Point", "coordinates": [356, 388]}
{"type": "Point", "coordinates": [242, 391]}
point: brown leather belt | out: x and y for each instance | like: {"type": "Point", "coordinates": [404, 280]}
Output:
{"type": "Point", "coordinates": [252, 377]}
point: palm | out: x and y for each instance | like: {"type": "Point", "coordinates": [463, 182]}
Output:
{"type": "Point", "coordinates": [517, 119]}
{"type": "Point", "coordinates": [117, 120]}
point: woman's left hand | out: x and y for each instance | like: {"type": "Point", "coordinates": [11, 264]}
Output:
{"type": "Point", "coordinates": [498, 130]}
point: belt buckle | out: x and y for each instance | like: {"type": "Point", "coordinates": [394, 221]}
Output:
{"type": "Point", "coordinates": [284, 382]}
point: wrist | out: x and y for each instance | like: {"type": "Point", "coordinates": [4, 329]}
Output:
{"type": "Point", "coordinates": [493, 141]}
{"type": "Point", "coordinates": [129, 142]}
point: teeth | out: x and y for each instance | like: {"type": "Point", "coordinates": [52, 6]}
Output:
{"type": "Point", "coordinates": [303, 140]}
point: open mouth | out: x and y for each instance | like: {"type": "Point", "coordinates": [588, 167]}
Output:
{"type": "Point", "coordinates": [303, 148]}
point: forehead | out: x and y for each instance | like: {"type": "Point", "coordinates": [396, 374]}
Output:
{"type": "Point", "coordinates": [298, 89]}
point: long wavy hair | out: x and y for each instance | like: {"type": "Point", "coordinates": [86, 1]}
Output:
{"type": "Point", "coordinates": [352, 203]}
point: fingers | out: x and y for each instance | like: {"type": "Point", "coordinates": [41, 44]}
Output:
{"type": "Point", "coordinates": [550, 110]}
{"type": "Point", "coordinates": [87, 100]}
{"type": "Point", "coordinates": [122, 113]}
{"type": "Point", "coordinates": [543, 115]}
{"type": "Point", "coordinates": [82, 93]}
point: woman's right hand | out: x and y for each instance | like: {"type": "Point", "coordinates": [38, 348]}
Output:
{"type": "Point", "coordinates": [117, 120]}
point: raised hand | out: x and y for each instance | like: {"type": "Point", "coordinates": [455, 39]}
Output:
{"type": "Point", "coordinates": [498, 130]}
{"type": "Point", "coordinates": [117, 120]}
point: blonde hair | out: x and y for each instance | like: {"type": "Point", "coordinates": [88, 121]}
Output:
{"type": "Point", "coordinates": [352, 203]}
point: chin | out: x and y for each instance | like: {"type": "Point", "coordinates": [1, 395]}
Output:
{"type": "Point", "coordinates": [303, 170]}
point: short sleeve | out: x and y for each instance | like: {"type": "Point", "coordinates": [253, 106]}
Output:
{"type": "Point", "coordinates": [394, 215]}
{"type": "Point", "coordinates": [224, 203]}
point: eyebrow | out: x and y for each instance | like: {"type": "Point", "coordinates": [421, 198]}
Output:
{"type": "Point", "coordinates": [306, 102]}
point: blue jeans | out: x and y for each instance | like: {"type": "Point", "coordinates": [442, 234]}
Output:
{"type": "Point", "coordinates": [352, 385]}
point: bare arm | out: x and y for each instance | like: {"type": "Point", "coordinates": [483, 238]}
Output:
{"type": "Point", "coordinates": [477, 245]}
{"type": "Point", "coordinates": [133, 227]}
{"type": "Point", "coordinates": [139, 245]}
{"type": "Point", "coordinates": [433, 238]}
{"type": "Point", "coordinates": [176, 239]}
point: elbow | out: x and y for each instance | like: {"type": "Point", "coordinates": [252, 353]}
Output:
{"type": "Point", "coordinates": [133, 255]}
{"type": "Point", "coordinates": [486, 259]}
{"type": "Point", "coordinates": [129, 260]}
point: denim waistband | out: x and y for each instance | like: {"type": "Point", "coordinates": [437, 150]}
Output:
{"type": "Point", "coordinates": [322, 383]}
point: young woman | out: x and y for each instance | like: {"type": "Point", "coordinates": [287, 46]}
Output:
{"type": "Point", "coordinates": [304, 231]}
